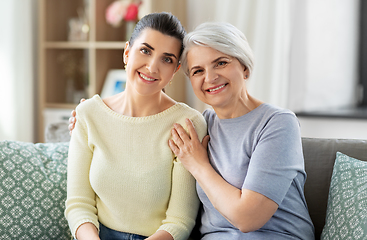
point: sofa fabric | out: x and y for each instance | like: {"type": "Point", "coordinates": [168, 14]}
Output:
{"type": "Point", "coordinates": [33, 191]}
{"type": "Point", "coordinates": [320, 155]}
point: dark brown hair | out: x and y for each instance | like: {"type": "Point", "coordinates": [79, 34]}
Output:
{"type": "Point", "coordinates": [164, 22]}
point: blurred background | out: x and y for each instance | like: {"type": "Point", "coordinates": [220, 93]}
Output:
{"type": "Point", "coordinates": [310, 57]}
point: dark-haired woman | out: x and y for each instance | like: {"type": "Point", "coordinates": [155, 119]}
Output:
{"type": "Point", "coordinates": [123, 180]}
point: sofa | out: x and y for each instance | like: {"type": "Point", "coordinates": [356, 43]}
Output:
{"type": "Point", "coordinates": [33, 188]}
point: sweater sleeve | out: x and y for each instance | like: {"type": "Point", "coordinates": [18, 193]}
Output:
{"type": "Point", "coordinates": [80, 203]}
{"type": "Point", "coordinates": [184, 203]}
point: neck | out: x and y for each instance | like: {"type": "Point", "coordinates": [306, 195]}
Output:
{"type": "Point", "coordinates": [241, 106]}
{"type": "Point", "coordinates": [134, 105]}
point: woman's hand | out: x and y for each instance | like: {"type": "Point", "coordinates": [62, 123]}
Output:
{"type": "Point", "coordinates": [160, 235]}
{"type": "Point", "coordinates": [188, 148]}
{"type": "Point", "coordinates": [87, 231]}
{"type": "Point", "coordinates": [72, 119]}
{"type": "Point", "coordinates": [245, 209]}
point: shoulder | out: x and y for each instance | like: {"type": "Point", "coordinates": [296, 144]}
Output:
{"type": "Point", "coordinates": [278, 121]}
{"type": "Point", "coordinates": [275, 113]}
{"type": "Point", "coordinates": [189, 112]}
{"type": "Point", "coordinates": [209, 114]}
{"type": "Point", "coordinates": [195, 116]}
{"type": "Point", "coordinates": [89, 106]}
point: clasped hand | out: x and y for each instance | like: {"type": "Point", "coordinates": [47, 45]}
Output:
{"type": "Point", "coordinates": [187, 146]}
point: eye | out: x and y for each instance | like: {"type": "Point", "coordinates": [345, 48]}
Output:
{"type": "Point", "coordinates": [145, 50]}
{"type": "Point", "coordinates": [197, 72]}
{"type": "Point", "coordinates": [222, 63]}
{"type": "Point", "coordinates": [167, 60]}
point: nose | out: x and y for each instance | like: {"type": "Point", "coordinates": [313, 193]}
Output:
{"type": "Point", "coordinates": [152, 65]}
{"type": "Point", "coordinates": [211, 76]}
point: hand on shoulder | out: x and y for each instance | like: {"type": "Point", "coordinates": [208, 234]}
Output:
{"type": "Point", "coordinates": [72, 119]}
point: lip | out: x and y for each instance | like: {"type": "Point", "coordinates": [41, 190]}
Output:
{"type": "Point", "coordinates": [218, 88]}
{"type": "Point", "coordinates": [145, 77]}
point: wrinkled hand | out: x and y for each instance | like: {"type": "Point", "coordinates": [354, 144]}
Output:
{"type": "Point", "coordinates": [187, 146]}
{"type": "Point", "coordinates": [72, 119]}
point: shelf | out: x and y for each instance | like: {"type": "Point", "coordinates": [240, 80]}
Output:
{"type": "Point", "coordinates": [80, 45]}
{"type": "Point", "coordinates": [64, 44]}
{"type": "Point", "coordinates": [67, 72]}
{"type": "Point", "coordinates": [61, 106]}
{"type": "Point", "coordinates": [109, 45]}
{"type": "Point", "coordinates": [107, 59]}
{"type": "Point", "coordinates": [104, 31]}
{"type": "Point", "coordinates": [57, 16]}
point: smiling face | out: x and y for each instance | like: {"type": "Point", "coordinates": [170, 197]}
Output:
{"type": "Point", "coordinates": [151, 61]}
{"type": "Point", "coordinates": [217, 79]}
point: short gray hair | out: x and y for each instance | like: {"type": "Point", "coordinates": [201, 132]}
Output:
{"type": "Point", "coordinates": [223, 37]}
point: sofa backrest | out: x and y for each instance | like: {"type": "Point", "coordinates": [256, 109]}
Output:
{"type": "Point", "coordinates": [319, 157]}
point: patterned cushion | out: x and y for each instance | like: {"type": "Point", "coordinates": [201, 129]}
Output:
{"type": "Point", "coordinates": [346, 216]}
{"type": "Point", "coordinates": [33, 190]}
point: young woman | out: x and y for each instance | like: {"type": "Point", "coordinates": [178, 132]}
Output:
{"type": "Point", "coordinates": [252, 177]}
{"type": "Point", "coordinates": [124, 182]}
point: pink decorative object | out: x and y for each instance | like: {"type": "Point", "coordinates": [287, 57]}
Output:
{"type": "Point", "coordinates": [126, 10]}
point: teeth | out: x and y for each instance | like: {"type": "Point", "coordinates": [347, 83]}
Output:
{"type": "Point", "coordinates": [146, 78]}
{"type": "Point", "coordinates": [217, 88]}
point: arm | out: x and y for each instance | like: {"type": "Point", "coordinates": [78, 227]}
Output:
{"type": "Point", "coordinates": [80, 203]}
{"type": "Point", "coordinates": [184, 203]}
{"type": "Point", "coordinates": [245, 209]}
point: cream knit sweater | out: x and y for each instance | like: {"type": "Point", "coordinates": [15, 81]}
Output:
{"type": "Point", "coordinates": [122, 173]}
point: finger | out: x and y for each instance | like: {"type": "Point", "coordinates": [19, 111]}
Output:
{"type": "Point", "coordinates": [191, 129]}
{"type": "Point", "coordinates": [73, 113]}
{"type": "Point", "coordinates": [184, 136]}
{"type": "Point", "coordinates": [82, 100]}
{"type": "Point", "coordinates": [205, 141]}
{"type": "Point", "coordinates": [173, 146]}
{"type": "Point", "coordinates": [176, 138]}
{"type": "Point", "coordinates": [71, 120]}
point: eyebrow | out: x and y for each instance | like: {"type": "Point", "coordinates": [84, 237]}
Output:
{"type": "Point", "coordinates": [167, 54]}
{"type": "Point", "coordinates": [219, 58]}
{"type": "Point", "coordinates": [193, 68]}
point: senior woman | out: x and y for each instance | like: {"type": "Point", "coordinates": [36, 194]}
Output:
{"type": "Point", "coordinates": [250, 173]}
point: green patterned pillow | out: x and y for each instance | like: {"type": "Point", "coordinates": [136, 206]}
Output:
{"type": "Point", "coordinates": [33, 190]}
{"type": "Point", "coordinates": [346, 215]}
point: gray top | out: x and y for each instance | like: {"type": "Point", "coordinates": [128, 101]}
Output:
{"type": "Point", "coordinates": [260, 151]}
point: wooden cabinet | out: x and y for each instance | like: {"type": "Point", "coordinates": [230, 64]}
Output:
{"type": "Point", "coordinates": [74, 64]}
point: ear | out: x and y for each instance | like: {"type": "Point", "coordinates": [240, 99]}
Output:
{"type": "Point", "coordinates": [126, 52]}
{"type": "Point", "coordinates": [246, 73]}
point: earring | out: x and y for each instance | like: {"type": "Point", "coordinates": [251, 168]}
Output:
{"type": "Point", "coordinates": [170, 82]}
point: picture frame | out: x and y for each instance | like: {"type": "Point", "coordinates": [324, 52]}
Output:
{"type": "Point", "coordinates": [115, 82]}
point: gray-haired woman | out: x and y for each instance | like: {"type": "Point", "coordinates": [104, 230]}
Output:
{"type": "Point", "coordinates": [251, 178]}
